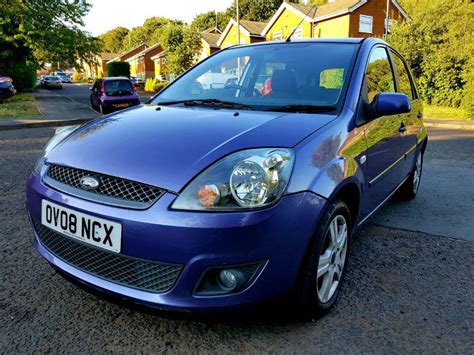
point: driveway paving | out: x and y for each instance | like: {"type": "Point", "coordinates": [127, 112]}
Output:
{"type": "Point", "coordinates": [405, 292]}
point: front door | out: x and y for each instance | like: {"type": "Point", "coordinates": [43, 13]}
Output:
{"type": "Point", "coordinates": [385, 135]}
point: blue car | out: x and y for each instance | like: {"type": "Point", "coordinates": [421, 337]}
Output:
{"type": "Point", "coordinates": [242, 191]}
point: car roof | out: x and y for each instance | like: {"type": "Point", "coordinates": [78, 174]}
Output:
{"type": "Point", "coordinates": [351, 40]}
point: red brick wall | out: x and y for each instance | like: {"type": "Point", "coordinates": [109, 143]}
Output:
{"type": "Point", "coordinates": [376, 9]}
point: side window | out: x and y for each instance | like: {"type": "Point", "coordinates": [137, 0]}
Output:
{"type": "Point", "coordinates": [405, 86]}
{"type": "Point", "coordinates": [379, 75]}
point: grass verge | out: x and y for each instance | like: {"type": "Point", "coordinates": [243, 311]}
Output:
{"type": "Point", "coordinates": [19, 106]}
{"type": "Point", "coordinates": [445, 113]}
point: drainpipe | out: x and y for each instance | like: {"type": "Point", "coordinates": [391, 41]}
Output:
{"type": "Point", "coordinates": [386, 21]}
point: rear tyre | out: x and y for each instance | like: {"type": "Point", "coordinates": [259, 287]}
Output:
{"type": "Point", "coordinates": [326, 262]}
{"type": "Point", "coordinates": [410, 187]}
{"type": "Point", "coordinates": [102, 109]}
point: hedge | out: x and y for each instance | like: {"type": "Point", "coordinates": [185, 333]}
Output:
{"type": "Point", "coordinates": [23, 76]}
{"type": "Point", "coordinates": [118, 69]}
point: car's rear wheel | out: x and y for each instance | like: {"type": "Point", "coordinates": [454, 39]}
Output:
{"type": "Point", "coordinates": [409, 189]}
{"type": "Point", "coordinates": [326, 262]}
{"type": "Point", "coordinates": [101, 109]}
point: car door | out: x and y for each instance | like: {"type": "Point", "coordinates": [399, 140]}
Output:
{"type": "Point", "coordinates": [95, 95]}
{"type": "Point", "coordinates": [384, 135]}
{"type": "Point", "coordinates": [413, 119]}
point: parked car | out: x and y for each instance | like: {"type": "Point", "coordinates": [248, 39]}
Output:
{"type": "Point", "coordinates": [65, 78]}
{"type": "Point", "coordinates": [113, 94]}
{"type": "Point", "coordinates": [216, 198]}
{"type": "Point", "coordinates": [137, 81]}
{"type": "Point", "coordinates": [52, 82]}
{"type": "Point", "coordinates": [7, 89]}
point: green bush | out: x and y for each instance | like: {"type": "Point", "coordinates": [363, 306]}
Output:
{"type": "Point", "coordinates": [118, 69]}
{"type": "Point", "coordinates": [150, 85]}
{"type": "Point", "coordinates": [160, 85]}
{"type": "Point", "coordinates": [23, 75]}
{"type": "Point", "coordinates": [154, 85]}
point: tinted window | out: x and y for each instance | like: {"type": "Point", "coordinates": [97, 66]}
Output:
{"type": "Point", "coordinates": [269, 76]}
{"type": "Point", "coordinates": [379, 75]}
{"type": "Point", "coordinates": [403, 77]}
{"type": "Point", "coordinates": [118, 87]}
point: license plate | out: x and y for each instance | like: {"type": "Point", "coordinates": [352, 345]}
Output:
{"type": "Point", "coordinates": [120, 105]}
{"type": "Point", "coordinates": [92, 230]}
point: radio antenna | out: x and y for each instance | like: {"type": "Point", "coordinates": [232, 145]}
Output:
{"type": "Point", "coordinates": [304, 18]}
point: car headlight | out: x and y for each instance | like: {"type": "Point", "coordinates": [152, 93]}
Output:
{"type": "Point", "coordinates": [60, 134]}
{"type": "Point", "coordinates": [244, 180]}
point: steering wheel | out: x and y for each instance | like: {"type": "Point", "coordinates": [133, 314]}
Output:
{"type": "Point", "coordinates": [248, 91]}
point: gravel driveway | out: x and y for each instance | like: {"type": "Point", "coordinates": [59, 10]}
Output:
{"type": "Point", "coordinates": [405, 292]}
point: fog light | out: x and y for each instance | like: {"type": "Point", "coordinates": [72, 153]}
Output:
{"type": "Point", "coordinates": [231, 279]}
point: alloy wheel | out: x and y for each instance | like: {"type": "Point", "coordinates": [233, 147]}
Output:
{"type": "Point", "coordinates": [332, 259]}
{"type": "Point", "coordinates": [417, 174]}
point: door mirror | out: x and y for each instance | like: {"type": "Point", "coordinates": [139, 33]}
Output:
{"type": "Point", "coordinates": [386, 104]}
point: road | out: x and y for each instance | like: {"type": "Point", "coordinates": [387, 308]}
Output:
{"type": "Point", "coordinates": [81, 93]}
{"type": "Point", "coordinates": [406, 291]}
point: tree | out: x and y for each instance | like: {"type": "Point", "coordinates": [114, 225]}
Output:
{"type": "Point", "coordinates": [207, 21]}
{"type": "Point", "coordinates": [439, 47]}
{"type": "Point", "coordinates": [149, 32]}
{"type": "Point", "coordinates": [181, 43]}
{"type": "Point", "coordinates": [112, 41]}
{"type": "Point", "coordinates": [255, 10]}
{"type": "Point", "coordinates": [42, 31]}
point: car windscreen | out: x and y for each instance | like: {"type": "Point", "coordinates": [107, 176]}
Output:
{"type": "Point", "coordinates": [278, 76]}
{"type": "Point", "coordinates": [51, 78]}
{"type": "Point", "coordinates": [118, 87]}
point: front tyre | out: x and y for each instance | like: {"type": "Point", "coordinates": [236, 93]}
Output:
{"type": "Point", "coordinates": [326, 262]}
{"type": "Point", "coordinates": [410, 187]}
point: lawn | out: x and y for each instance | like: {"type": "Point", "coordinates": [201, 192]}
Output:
{"type": "Point", "coordinates": [19, 106]}
{"type": "Point", "coordinates": [444, 113]}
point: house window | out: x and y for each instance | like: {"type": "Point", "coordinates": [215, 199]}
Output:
{"type": "Point", "coordinates": [388, 25]}
{"type": "Point", "coordinates": [365, 24]}
{"type": "Point", "coordinates": [277, 36]}
{"type": "Point", "coordinates": [298, 33]}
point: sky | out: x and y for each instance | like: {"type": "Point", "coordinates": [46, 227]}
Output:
{"type": "Point", "coordinates": [108, 14]}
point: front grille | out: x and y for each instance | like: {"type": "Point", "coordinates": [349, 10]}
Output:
{"type": "Point", "coordinates": [109, 186]}
{"type": "Point", "coordinates": [132, 272]}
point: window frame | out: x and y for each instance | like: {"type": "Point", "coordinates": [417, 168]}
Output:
{"type": "Point", "coordinates": [414, 90]}
{"type": "Point", "coordinates": [277, 36]}
{"type": "Point", "coordinates": [392, 67]}
{"type": "Point", "coordinates": [371, 23]}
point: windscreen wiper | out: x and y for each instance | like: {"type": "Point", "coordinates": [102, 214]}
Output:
{"type": "Point", "coordinates": [302, 108]}
{"type": "Point", "coordinates": [208, 102]}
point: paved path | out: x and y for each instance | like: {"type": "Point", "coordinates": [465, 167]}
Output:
{"type": "Point", "coordinates": [445, 203]}
{"type": "Point", "coordinates": [68, 106]}
{"type": "Point", "coordinates": [406, 292]}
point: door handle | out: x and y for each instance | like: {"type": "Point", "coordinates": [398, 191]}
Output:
{"type": "Point", "coordinates": [420, 115]}
{"type": "Point", "coordinates": [402, 128]}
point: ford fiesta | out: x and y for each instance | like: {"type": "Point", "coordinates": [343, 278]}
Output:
{"type": "Point", "coordinates": [210, 198]}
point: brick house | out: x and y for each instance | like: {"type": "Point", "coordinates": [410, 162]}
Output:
{"type": "Point", "coordinates": [142, 63]}
{"type": "Point", "coordinates": [338, 18]}
{"type": "Point", "coordinates": [250, 32]}
{"type": "Point", "coordinates": [209, 44]}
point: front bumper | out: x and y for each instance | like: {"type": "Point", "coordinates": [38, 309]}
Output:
{"type": "Point", "coordinates": [278, 236]}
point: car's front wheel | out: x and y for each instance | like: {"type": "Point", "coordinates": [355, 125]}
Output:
{"type": "Point", "coordinates": [326, 261]}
